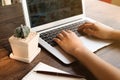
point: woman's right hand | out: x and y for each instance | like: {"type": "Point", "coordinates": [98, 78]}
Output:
{"type": "Point", "coordinates": [70, 42]}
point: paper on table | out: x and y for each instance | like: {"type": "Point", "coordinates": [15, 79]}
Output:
{"type": "Point", "coordinates": [41, 66]}
{"type": "Point", "coordinates": [94, 44]}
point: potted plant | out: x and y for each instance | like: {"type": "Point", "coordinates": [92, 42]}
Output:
{"type": "Point", "coordinates": [24, 44]}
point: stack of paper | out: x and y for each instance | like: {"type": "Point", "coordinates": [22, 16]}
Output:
{"type": "Point", "coordinates": [32, 75]}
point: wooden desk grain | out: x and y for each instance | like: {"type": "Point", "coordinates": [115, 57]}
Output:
{"type": "Point", "coordinates": [14, 70]}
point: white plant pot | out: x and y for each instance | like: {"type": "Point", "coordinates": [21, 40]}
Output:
{"type": "Point", "coordinates": [24, 49]}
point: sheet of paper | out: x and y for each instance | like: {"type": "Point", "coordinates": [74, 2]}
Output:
{"type": "Point", "coordinates": [41, 66]}
{"type": "Point", "coordinates": [94, 44]}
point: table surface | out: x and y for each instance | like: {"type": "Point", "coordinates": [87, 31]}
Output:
{"type": "Point", "coordinates": [11, 17]}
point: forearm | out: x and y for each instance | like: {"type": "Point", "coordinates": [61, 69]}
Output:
{"type": "Point", "coordinates": [101, 69]}
{"type": "Point", "coordinates": [115, 35]}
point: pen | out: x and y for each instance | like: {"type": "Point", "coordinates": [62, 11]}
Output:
{"type": "Point", "coordinates": [60, 74]}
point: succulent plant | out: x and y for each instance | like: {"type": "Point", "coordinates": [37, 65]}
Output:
{"type": "Point", "coordinates": [22, 32]}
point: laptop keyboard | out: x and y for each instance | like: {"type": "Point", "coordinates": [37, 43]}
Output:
{"type": "Point", "coordinates": [48, 36]}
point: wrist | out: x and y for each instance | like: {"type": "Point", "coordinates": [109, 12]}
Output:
{"type": "Point", "coordinates": [79, 52]}
{"type": "Point", "coordinates": [115, 35]}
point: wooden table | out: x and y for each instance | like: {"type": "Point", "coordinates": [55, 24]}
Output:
{"type": "Point", "coordinates": [11, 17]}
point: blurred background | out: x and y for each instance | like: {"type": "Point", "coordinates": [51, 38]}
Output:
{"type": "Point", "coordinates": [10, 2]}
{"type": "Point", "coordinates": [116, 2]}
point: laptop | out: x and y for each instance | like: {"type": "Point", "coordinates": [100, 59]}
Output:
{"type": "Point", "coordinates": [49, 17]}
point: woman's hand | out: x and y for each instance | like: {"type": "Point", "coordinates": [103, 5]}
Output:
{"type": "Point", "coordinates": [96, 30]}
{"type": "Point", "coordinates": [69, 42]}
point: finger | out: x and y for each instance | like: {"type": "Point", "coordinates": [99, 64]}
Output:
{"type": "Point", "coordinates": [58, 41]}
{"type": "Point", "coordinates": [81, 27]}
{"type": "Point", "coordinates": [60, 36]}
{"type": "Point", "coordinates": [89, 32]}
{"type": "Point", "coordinates": [64, 33]}
{"type": "Point", "coordinates": [86, 25]}
{"type": "Point", "coordinates": [69, 31]}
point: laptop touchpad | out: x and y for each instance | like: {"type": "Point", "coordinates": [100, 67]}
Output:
{"type": "Point", "coordinates": [94, 44]}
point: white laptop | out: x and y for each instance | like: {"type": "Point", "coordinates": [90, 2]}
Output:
{"type": "Point", "coordinates": [49, 17]}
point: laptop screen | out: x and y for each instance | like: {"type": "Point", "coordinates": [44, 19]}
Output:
{"type": "Point", "coordinates": [46, 11]}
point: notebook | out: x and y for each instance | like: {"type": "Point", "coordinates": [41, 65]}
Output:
{"type": "Point", "coordinates": [44, 67]}
{"type": "Point", "coordinates": [49, 17]}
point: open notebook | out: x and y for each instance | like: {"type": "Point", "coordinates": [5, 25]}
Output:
{"type": "Point", "coordinates": [41, 66]}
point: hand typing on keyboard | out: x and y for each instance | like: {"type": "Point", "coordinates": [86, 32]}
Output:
{"type": "Point", "coordinates": [66, 38]}
{"type": "Point", "coordinates": [71, 43]}
{"type": "Point", "coordinates": [48, 36]}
